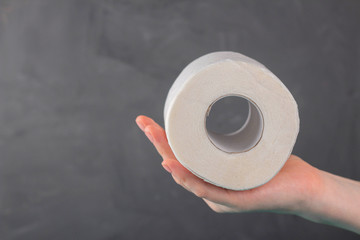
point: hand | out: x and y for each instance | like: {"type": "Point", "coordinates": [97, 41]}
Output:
{"type": "Point", "coordinates": [287, 192]}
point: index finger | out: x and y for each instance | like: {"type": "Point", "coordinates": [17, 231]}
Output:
{"type": "Point", "coordinates": [157, 133]}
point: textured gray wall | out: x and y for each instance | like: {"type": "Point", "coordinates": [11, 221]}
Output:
{"type": "Point", "coordinates": [74, 75]}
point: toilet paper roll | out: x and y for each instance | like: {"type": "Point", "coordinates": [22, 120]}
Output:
{"type": "Point", "coordinates": [248, 157]}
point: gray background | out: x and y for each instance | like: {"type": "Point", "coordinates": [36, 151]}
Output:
{"type": "Point", "coordinates": [75, 74]}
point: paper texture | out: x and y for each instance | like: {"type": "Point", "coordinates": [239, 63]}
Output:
{"type": "Point", "coordinates": [248, 157]}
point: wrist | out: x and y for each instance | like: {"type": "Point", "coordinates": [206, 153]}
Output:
{"type": "Point", "coordinates": [313, 198]}
{"type": "Point", "coordinates": [334, 202]}
{"type": "Point", "coordinates": [308, 191]}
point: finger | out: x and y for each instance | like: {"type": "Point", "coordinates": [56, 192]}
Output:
{"type": "Point", "coordinates": [212, 205]}
{"type": "Point", "coordinates": [158, 138]}
{"type": "Point", "coordinates": [156, 135]}
{"type": "Point", "coordinates": [198, 186]}
{"type": "Point", "coordinates": [144, 121]}
{"type": "Point", "coordinates": [218, 207]}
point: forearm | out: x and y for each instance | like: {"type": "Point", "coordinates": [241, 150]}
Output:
{"type": "Point", "coordinates": [336, 203]}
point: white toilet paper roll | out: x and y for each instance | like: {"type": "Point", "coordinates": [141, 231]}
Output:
{"type": "Point", "coordinates": [252, 155]}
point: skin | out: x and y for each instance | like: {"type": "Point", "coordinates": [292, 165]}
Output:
{"type": "Point", "coordinates": [298, 188]}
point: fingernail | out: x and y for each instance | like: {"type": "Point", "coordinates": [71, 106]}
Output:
{"type": "Point", "coordinates": [166, 167]}
{"type": "Point", "coordinates": [141, 126]}
{"type": "Point", "coordinates": [150, 137]}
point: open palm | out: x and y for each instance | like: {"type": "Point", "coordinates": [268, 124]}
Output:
{"type": "Point", "coordinates": [285, 193]}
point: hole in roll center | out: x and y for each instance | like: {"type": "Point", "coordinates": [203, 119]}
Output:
{"type": "Point", "coordinates": [234, 124]}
